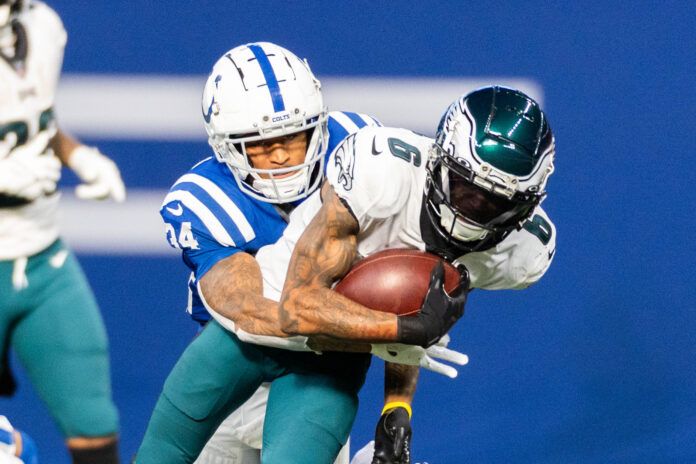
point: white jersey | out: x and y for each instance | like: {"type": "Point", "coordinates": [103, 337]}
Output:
{"type": "Point", "coordinates": [27, 94]}
{"type": "Point", "coordinates": [380, 175]}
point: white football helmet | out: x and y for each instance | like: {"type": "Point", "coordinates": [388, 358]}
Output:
{"type": "Point", "coordinates": [261, 91]}
{"type": "Point", "coordinates": [493, 155]}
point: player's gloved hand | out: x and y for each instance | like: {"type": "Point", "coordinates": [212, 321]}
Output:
{"type": "Point", "coordinates": [426, 358]}
{"type": "Point", "coordinates": [439, 311]}
{"type": "Point", "coordinates": [100, 175]}
{"type": "Point", "coordinates": [30, 170]}
{"type": "Point", "coordinates": [393, 437]}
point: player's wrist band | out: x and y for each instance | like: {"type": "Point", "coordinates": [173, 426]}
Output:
{"type": "Point", "coordinates": [398, 404]}
{"type": "Point", "coordinates": [410, 331]}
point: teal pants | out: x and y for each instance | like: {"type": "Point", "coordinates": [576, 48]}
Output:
{"type": "Point", "coordinates": [312, 402]}
{"type": "Point", "coordinates": [52, 322]}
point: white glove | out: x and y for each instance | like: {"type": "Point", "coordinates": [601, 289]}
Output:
{"type": "Point", "coordinates": [29, 171]}
{"type": "Point", "coordinates": [426, 358]}
{"type": "Point", "coordinates": [100, 175]}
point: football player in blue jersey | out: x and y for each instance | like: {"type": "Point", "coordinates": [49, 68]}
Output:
{"type": "Point", "coordinates": [48, 314]}
{"type": "Point", "coordinates": [270, 132]}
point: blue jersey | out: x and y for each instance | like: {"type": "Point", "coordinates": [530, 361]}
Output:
{"type": "Point", "coordinates": [209, 218]}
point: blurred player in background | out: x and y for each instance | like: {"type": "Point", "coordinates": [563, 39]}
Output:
{"type": "Point", "coordinates": [16, 447]}
{"type": "Point", "coordinates": [270, 132]}
{"type": "Point", "coordinates": [48, 314]}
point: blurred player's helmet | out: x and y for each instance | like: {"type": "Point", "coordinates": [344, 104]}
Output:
{"type": "Point", "coordinates": [494, 152]}
{"type": "Point", "coordinates": [261, 91]}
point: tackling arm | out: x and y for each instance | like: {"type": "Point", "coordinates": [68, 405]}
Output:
{"type": "Point", "coordinates": [234, 288]}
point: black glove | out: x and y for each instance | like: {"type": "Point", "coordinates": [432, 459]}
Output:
{"type": "Point", "coordinates": [393, 438]}
{"type": "Point", "coordinates": [438, 313]}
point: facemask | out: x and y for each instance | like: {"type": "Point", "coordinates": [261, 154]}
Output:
{"type": "Point", "coordinates": [461, 230]}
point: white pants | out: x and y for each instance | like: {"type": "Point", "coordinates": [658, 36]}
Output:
{"type": "Point", "coordinates": [238, 439]}
{"type": "Point", "coordinates": [364, 456]}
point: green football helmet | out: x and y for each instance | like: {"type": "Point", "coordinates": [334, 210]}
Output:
{"type": "Point", "coordinates": [493, 154]}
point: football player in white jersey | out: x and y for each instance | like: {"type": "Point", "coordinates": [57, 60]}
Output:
{"type": "Point", "coordinates": [471, 196]}
{"type": "Point", "coordinates": [47, 309]}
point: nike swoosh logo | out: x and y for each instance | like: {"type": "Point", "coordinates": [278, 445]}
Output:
{"type": "Point", "coordinates": [208, 115]}
{"type": "Point", "coordinates": [551, 253]}
{"type": "Point", "coordinates": [374, 147]}
{"type": "Point", "coordinates": [178, 211]}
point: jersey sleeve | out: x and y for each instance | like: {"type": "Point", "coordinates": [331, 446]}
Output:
{"type": "Point", "coordinates": [518, 261]}
{"type": "Point", "coordinates": [372, 182]}
{"type": "Point", "coordinates": [204, 223]}
{"type": "Point", "coordinates": [341, 124]}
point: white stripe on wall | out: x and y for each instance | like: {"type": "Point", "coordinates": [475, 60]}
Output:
{"type": "Point", "coordinates": [132, 227]}
{"type": "Point", "coordinates": [168, 107]}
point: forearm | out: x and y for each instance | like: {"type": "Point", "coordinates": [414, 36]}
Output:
{"type": "Point", "coordinates": [321, 311]}
{"type": "Point", "coordinates": [234, 289]}
{"type": "Point", "coordinates": [63, 146]}
{"type": "Point", "coordinates": [324, 253]}
{"type": "Point", "coordinates": [399, 382]}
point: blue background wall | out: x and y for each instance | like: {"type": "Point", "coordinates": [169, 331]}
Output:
{"type": "Point", "coordinates": [595, 364]}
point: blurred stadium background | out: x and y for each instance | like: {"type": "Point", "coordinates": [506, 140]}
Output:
{"type": "Point", "coordinates": [595, 364]}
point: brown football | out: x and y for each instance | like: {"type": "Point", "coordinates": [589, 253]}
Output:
{"type": "Point", "coordinates": [394, 281]}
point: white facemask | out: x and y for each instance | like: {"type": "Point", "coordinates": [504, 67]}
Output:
{"type": "Point", "coordinates": [461, 230]}
{"type": "Point", "coordinates": [287, 187]}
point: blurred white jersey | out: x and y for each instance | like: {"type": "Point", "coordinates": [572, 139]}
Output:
{"type": "Point", "coordinates": [27, 93]}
